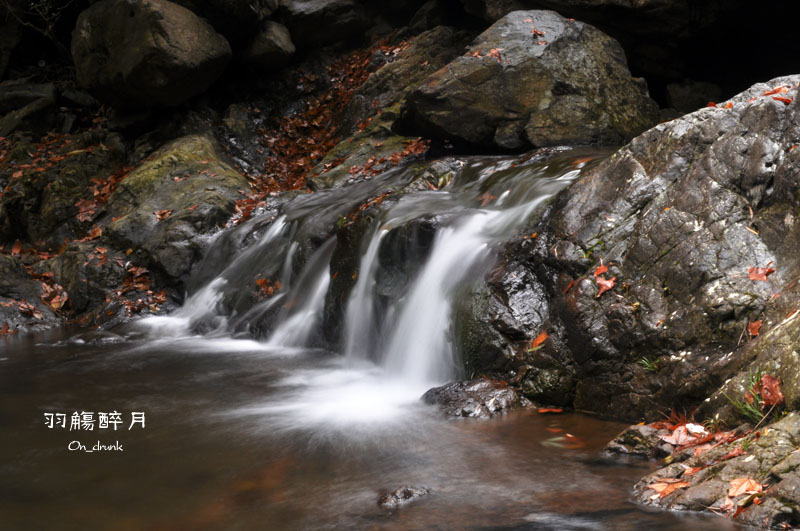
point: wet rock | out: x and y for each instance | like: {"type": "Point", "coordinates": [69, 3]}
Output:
{"type": "Point", "coordinates": [21, 100]}
{"type": "Point", "coordinates": [146, 53]}
{"type": "Point", "coordinates": [315, 23]}
{"type": "Point", "coordinates": [481, 398]}
{"type": "Point", "coordinates": [679, 216]}
{"type": "Point", "coordinates": [271, 47]}
{"type": "Point", "coordinates": [768, 456]}
{"type": "Point", "coordinates": [39, 204]}
{"type": "Point", "coordinates": [640, 441]}
{"type": "Point", "coordinates": [402, 496]}
{"type": "Point", "coordinates": [20, 305]}
{"type": "Point", "coordinates": [164, 206]}
{"type": "Point", "coordinates": [567, 84]}
{"type": "Point", "coordinates": [389, 85]}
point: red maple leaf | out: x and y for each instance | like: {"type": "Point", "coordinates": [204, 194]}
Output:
{"type": "Point", "coordinates": [760, 273]}
{"type": "Point", "coordinates": [605, 285]}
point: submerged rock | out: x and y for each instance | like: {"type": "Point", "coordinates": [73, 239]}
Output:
{"type": "Point", "coordinates": [402, 496]}
{"type": "Point", "coordinates": [150, 53]}
{"type": "Point", "coordinates": [481, 398]}
{"type": "Point", "coordinates": [535, 78]}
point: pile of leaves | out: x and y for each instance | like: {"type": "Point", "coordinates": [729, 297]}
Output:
{"type": "Point", "coordinates": [694, 440]}
{"type": "Point", "coordinates": [298, 142]}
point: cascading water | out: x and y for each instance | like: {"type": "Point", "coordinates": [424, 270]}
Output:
{"type": "Point", "coordinates": [397, 341]}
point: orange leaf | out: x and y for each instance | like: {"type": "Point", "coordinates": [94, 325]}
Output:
{"type": "Point", "coordinates": [729, 105]}
{"type": "Point", "coordinates": [665, 487]}
{"type": "Point", "coordinates": [17, 174]}
{"type": "Point", "coordinates": [162, 214]}
{"type": "Point", "coordinates": [754, 327]}
{"type": "Point", "coordinates": [760, 273]}
{"type": "Point", "coordinates": [741, 486]}
{"type": "Point", "coordinates": [771, 390]}
{"type": "Point", "coordinates": [58, 301]}
{"type": "Point", "coordinates": [600, 270]}
{"type": "Point", "coordinates": [736, 452]}
{"type": "Point", "coordinates": [539, 340]}
{"type": "Point", "coordinates": [605, 285]}
{"type": "Point", "coordinates": [16, 247]}
{"type": "Point", "coordinates": [781, 99]}
{"type": "Point", "coordinates": [711, 104]}
{"type": "Point", "coordinates": [778, 90]}
{"type": "Point", "coordinates": [550, 410]}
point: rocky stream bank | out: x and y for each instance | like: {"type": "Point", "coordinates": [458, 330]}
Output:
{"type": "Point", "coordinates": [664, 279]}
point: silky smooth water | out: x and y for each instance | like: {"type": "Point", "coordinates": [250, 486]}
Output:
{"type": "Point", "coordinates": [242, 436]}
{"type": "Point", "coordinates": [249, 428]}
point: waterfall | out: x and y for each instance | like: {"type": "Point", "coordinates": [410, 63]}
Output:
{"type": "Point", "coordinates": [305, 301]}
{"type": "Point", "coordinates": [360, 326]}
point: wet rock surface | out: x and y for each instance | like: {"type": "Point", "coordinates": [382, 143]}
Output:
{"type": "Point", "coordinates": [679, 217]}
{"type": "Point", "coordinates": [146, 53]}
{"type": "Point", "coordinates": [481, 398]}
{"type": "Point", "coordinates": [753, 479]}
{"type": "Point", "coordinates": [534, 78]}
{"type": "Point", "coordinates": [401, 497]}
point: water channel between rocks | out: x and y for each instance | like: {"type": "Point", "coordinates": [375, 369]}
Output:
{"type": "Point", "coordinates": [251, 425]}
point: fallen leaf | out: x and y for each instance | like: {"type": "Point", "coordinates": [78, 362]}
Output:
{"type": "Point", "coordinates": [729, 105]}
{"type": "Point", "coordinates": [771, 393]}
{"type": "Point", "coordinates": [754, 327]}
{"type": "Point", "coordinates": [16, 248]}
{"type": "Point", "coordinates": [536, 343]}
{"type": "Point", "coordinates": [711, 104]}
{"type": "Point", "coordinates": [162, 214]}
{"type": "Point", "coordinates": [667, 486]}
{"type": "Point", "coordinates": [554, 410]}
{"type": "Point", "coordinates": [741, 486]}
{"type": "Point", "coordinates": [605, 285]}
{"type": "Point", "coordinates": [600, 270]}
{"type": "Point", "coordinates": [781, 99]}
{"type": "Point", "coordinates": [777, 90]}
{"type": "Point", "coordinates": [736, 452]}
{"type": "Point", "coordinates": [760, 273]}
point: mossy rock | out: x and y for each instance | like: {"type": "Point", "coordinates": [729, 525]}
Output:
{"type": "Point", "coordinates": [179, 193]}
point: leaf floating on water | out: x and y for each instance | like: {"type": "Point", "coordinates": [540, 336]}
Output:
{"type": "Point", "coordinates": [554, 410]}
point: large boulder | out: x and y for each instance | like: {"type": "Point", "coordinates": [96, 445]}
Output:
{"type": "Point", "coordinates": [271, 47]}
{"type": "Point", "coordinates": [696, 222]}
{"type": "Point", "coordinates": [164, 206]}
{"type": "Point", "coordinates": [144, 53]}
{"type": "Point", "coordinates": [535, 78]}
{"type": "Point", "coordinates": [316, 23]}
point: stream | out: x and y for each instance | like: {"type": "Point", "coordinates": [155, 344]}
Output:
{"type": "Point", "coordinates": [299, 409]}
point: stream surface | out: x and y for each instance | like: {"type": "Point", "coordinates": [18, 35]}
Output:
{"type": "Point", "coordinates": [242, 436]}
{"type": "Point", "coordinates": [249, 426]}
